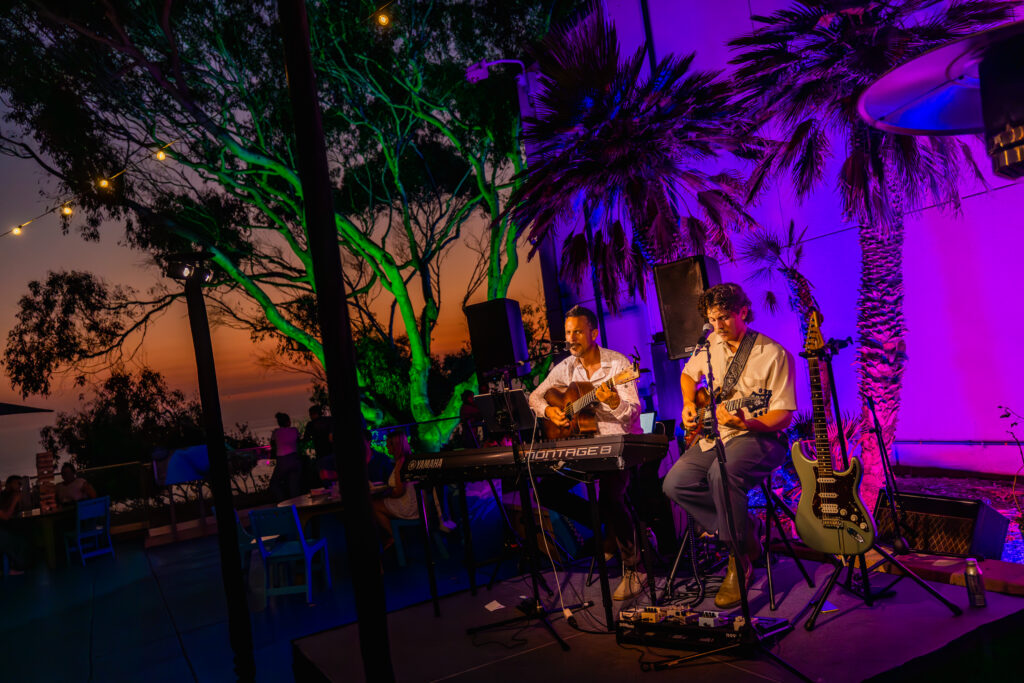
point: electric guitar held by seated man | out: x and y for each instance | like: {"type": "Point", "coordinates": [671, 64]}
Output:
{"type": "Point", "coordinates": [831, 517]}
{"type": "Point", "coordinates": [576, 401]}
{"type": "Point", "coordinates": [753, 406]}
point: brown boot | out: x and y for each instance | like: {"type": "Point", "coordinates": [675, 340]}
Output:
{"type": "Point", "coordinates": [728, 595]}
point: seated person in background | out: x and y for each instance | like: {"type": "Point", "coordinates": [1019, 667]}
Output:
{"type": "Point", "coordinates": [286, 481]}
{"type": "Point", "coordinates": [11, 544]}
{"type": "Point", "coordinates": [74, 487]}
{"type": "Point", "coordinates": [378, 465]}
{"type": "Point", "coordinates": [400, 500]}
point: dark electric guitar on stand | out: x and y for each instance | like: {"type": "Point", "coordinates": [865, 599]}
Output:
{"type": "Point", "coordinates": [575, 400]}
{"type": "Point", "coordinates": [831, 517]}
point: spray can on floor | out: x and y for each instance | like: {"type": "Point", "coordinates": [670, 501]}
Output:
{"type": "Point", "coordinates": [975, 583]}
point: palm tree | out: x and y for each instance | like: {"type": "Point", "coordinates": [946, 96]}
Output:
{"type": "Point", "coordinates": [803, 70]}
{"type": "Point", "coordinates": [621, 148]}
{"type": "Point", "coordinates": [775, 256]}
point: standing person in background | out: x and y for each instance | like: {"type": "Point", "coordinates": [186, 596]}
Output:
{"type": "Point", "coordinates": [286, 482]}
{"type": "Point", "coordinates": [319, 433]}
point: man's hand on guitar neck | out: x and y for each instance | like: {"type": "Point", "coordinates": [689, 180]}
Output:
{"type": "Point", "coordinates": [556, 415]}
{"type": "Point", "coordinates": [607, 396]}
{"type": "Point", "coordinates": [735, 420]}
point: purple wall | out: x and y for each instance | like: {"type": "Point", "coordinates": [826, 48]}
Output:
{"type": "Point", "coordinates": [963, 307]}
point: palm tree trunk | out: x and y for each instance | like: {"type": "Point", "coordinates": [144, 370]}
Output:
{"type": "Point", "coordinates": [882, 353]}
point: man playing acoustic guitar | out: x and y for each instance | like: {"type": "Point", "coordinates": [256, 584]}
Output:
{"type": "Point", "coordinates": [617, 412]}
{"type": "Point", "coordinates": [753, 446]}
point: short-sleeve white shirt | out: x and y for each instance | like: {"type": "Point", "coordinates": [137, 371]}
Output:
{"type": "Point", "coordinates": [770, 366]}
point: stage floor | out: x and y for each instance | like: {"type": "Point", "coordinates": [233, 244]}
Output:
{"type": "Point", "coordinates": [904, 637]}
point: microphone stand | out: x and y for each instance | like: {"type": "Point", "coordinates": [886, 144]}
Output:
{"type": "Point", "coordinates": [749, 635]}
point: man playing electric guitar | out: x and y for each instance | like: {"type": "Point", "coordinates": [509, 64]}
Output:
{"type": "Point", "coordinates": [753, 446]}
{"type": "Point", "coordinates": [617, 412]}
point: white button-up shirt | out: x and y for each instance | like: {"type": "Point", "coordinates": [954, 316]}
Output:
{"type": "Point", "coordinates": [769, 366]}
{"type": "Point", "coordinates": [623, 420]}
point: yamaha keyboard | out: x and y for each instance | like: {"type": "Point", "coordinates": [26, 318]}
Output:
{"type": "Point", "coordinates": [592, 455]}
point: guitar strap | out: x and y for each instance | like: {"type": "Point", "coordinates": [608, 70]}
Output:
{"type": "Point", "coordinates": [739, 361]}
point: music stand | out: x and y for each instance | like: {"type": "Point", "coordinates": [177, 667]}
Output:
{"type": "Point", "coordinates": [508, 411]}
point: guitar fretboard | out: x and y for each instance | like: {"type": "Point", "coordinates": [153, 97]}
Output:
{"type": "Point", "coordinates": [821, 442]}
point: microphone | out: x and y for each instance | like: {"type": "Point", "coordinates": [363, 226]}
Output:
{"type": "Point", "coordinates": [707, 330]}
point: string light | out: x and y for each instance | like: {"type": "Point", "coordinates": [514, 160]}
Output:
{"type": "Point", "coordinates": [383, 19]}
{"type": "Point", "coordinates": [65, 205]}
{"type": "Point", "coordinates": [380, 16]}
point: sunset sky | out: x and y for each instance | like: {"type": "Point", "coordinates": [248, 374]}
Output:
{"type": "Point", "coordinates": [249, 393]}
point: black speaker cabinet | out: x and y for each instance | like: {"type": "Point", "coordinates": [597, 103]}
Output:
{"type": "Point", "coordinates": [679, 285]}
{"type": "Point", "coordinates": [940, 525]}
{"type": "Point", "coordinates": [497, 337]}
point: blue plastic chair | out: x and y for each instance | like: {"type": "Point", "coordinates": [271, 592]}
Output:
{"type": "Point", "coordinates": [396, 532]}
{"type": "Point", "coordinates": [282, 543]}
{"type": "Point", "coordinates": [91, 536]}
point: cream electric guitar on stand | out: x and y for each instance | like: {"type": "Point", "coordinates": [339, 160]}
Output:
{"type": "Point", "coordinates": [831, 517]}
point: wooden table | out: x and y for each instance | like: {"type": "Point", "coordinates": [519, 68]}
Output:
{"type": "Point", "coordinates": [309, 506]}
{"type": "Point", "coordinates": [41, 529]}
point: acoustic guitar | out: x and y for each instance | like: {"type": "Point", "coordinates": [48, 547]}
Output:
{"type": "Point", "coordinates": [754, 405]}
{"type": "Point", "coordinates": [831, 517]}
{"type": "Point", "coordinates": [576, 401]}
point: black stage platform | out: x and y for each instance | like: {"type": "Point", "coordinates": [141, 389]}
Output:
{"type": "Point", "coordinates": [910, 636]}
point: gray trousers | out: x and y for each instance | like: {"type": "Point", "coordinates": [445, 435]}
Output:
{"type": "Point", "coordinates": [695, 483]}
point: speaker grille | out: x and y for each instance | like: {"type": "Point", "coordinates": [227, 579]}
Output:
{"type": "Point", "coordinates": [929, 532]}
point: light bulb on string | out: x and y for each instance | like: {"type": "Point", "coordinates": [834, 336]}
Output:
{"type": "Point", "coordinates": [66, 210]}
{"type": "Point", "coordinates": [16, 230]}
{"type": "Point", "coordinates": [383, 19]}
{"type": "Point", "coordinates": [103, 183]}
{"type": "Point", "coordinates": [161, 155]}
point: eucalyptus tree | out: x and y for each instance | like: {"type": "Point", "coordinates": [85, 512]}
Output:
{"type": "Point", "coordinates": [416, 154]}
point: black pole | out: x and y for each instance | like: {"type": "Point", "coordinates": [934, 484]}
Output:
{"type": "Point", "coordinates": [595, 281]}
{"type": "Point", "coordinates": [648, 34]}
{"type": "Point", "coordinates": [339, 355]}
{"type": "Point", "coordinates": [239, 628]}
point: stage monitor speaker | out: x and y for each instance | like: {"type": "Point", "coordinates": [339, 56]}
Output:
{"type": "Point", "coordinates": [679, 285]}
{"type": "Point", "coordinates": [940, 525]}
{"type": "Point", "coordinates": [497, 337]}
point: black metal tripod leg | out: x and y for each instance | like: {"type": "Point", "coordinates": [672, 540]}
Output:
{"type": "Point", "coordinates": [467, 538]}
{"type": "Point", "coordinates": [919, 581]}
{"type": "Point", "coordinates": [670, 588]}
{"type": "Point", "coordinates": [776, 501]}
{"type": "Point", "coordinates": [602, 567]}
{"type": "Point", "coordinates": [431, 574]}
{"type": "Point", "coordinates": [826, 591]}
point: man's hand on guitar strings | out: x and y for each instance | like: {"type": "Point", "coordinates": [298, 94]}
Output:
{"type": "Point", "coordinates": [556, 415]}
{"type": "Point", "coordinates": [689, 415]}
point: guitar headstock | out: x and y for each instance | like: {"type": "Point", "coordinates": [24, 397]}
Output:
{"type": "Point", "coordinates": [626, 376]}
{"type": "Point", "coordinates": [757, 403]}
{"type": "Point", "coordinates": [814, 340]}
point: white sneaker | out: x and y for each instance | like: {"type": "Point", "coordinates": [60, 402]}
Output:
{"type": "Point", "coordinates": [632, 584]}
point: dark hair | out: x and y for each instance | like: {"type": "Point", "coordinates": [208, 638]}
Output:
{"type": "Point", "coordinates": [467, 392]}
{"type": "Point", "coordinates": [65, 466]}
{"type": "Point", "coordinates": [582, 312]}
{"type": "Point", "coordinates": [316, 411]}
{"type": "Point", "coordinates": [728, 296]}
{"type": "Point", "coordinates": [282, 419]}
{"type": "Point", "coordinates": [11, 479]}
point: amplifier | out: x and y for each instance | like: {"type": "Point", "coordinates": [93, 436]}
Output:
{"type": "Point", "coordinates": [940, 525]}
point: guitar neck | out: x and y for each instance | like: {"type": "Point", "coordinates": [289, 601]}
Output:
{"type": "Point", "coordinates": [821, 442]}
{"type": "Point", "coordinates": [589, 397]}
